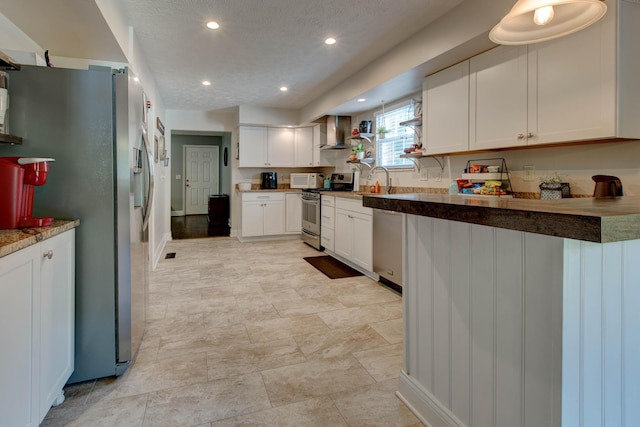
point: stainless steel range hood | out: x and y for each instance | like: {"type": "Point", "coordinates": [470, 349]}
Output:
{"type": "Point", "coordinates": [333, 131]}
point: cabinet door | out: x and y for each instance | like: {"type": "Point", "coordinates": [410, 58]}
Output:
{"type": "Point", "coordinates": [446, 110]}
{"type": "Point", "coordinates": [253, 146]}
{"type": "Point", "coordinates": [253, 218]}
{"type": "Point", "coordinates": [19, 279]}
{"type": "Point", "coordinates": [274, 217]}
{"type": "Point", "coordinates": [498, 98]}
{"type": "Point", "coordinates": [344, 233]}
{"type": "Point", "coordinates": [317, 161]}
{"type": "Point", "coordinates": [57, 296]}
{"type": "Point", "coordinates": [293, 213]}
{"type": "Point", "coordinates": [572, 87]}
{"type": "Point", "coordinates": [362, 253]}
{"type": "Point", "coordinates": [303, 147]}
{"type": "Point", "coordinates": [280, 147]}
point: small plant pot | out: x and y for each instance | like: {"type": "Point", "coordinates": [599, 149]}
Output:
{"type": "Point", "coordinates": [360, 155]}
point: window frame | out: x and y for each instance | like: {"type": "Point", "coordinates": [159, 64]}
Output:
{"type": "Point", "coordinates": [408, 106]}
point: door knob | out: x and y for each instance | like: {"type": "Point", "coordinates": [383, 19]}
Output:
{"type": "Point", "coordinates": [48, 254]}
{"type": "Point", "coordinates": [521, 136]}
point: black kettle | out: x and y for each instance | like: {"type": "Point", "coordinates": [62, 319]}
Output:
{"type": "Point", "coordinates": [607, 186]}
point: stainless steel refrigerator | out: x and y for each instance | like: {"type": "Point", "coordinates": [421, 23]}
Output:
{"type": "Point", "coordinates": [93, 123]}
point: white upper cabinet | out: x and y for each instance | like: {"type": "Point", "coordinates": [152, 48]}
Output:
{"type": "Point", "coordinates": [280, 147]}
{"type": "Point", "coordinates": [253, 146]}
{"type": "Point", "coordinates": [498, 98]}
{"type": "Point", "coordinates": [576, 88]}
{"type": "Point", "coordinates": [304, 146]}
{"type": "Point", "coordinates": [277, 147]}
{"type": "Point", "coordinates": [445, 116]}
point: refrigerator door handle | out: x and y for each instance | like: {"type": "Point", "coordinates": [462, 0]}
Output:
{"type": "Point", "coordinates": [146, 211]}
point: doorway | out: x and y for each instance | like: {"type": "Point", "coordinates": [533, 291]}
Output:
{"type": "Point", "coordinates": [201, 177]}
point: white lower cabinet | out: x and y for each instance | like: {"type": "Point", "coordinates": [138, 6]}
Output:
{"type": "Point", "coordinates": [327, 222]}
{"type": "Point", "coordinates": [354, 232]}
{"type": "Point", "coordinates": [263, 214]}
{"type": "Point", "coordinates": [37, 289]}
{"type": "Point", "coordinates": [293, 213]}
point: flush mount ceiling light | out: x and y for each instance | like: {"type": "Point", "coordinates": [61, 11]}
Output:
{"type": "Point", "coordinates": [533, 21]}
{"type": "Point", "coordinates": [330, 41]}
{"type": "Point", "coordinates": [284, 88]}
{"type": "Point", "coordinates": [206, 83]}
{"type": "Point", "coordinates": [213, 25]}
{"type": "Point", "coordinates": [361, 100]}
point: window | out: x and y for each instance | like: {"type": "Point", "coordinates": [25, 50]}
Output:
{"type": "Point", "coordinates": [390, 146]}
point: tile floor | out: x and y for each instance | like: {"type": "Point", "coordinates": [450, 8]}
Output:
{"type": "Point", "coordinates": [252, 335]}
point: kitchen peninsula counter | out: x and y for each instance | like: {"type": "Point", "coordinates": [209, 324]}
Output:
{"type": "Point", "coordinates": [15, 239]}
{"type": "Point", "coordinates": [519, 312]}
{"type": "Point", "coordinates": [593, 220]}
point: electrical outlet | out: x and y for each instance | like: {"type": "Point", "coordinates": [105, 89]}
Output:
{"type": "Point", "coordinates": [437, 175]}
{"type": "Point", "coordinates": [528, 172]}
{"type": "Point", "coordinates": [178, 176]}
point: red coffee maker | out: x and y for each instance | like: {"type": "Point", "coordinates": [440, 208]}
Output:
{"type": "Point", "coordinates": [18, 176]}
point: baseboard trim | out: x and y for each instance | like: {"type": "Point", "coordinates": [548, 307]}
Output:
{"type": "Point", "coordinates": [177, 213]}
{"type": "Point", "coordinates": [158, 254]}
{"type": "Point", "coordinates": [424, 405]}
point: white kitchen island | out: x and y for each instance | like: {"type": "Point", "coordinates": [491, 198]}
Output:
{"type": "Point", "coordinates": [520, 312]}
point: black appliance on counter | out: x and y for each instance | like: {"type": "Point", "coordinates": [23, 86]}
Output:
{"type": "Point", "coordinates": [269, 181]}
{"type": "Point", "coordinates": [311, 207]}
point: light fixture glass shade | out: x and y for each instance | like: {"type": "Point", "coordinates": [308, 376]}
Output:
{"type": "Point", "coordinates": [569, 16]}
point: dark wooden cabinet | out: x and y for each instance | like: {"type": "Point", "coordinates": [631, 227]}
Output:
{"type": "Point", "coordinates": [219, 215]}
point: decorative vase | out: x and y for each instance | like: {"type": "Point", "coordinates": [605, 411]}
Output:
{"type": "Point", "coordinates": [360, 155]}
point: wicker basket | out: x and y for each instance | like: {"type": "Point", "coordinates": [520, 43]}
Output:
{"type": "Point", "coordinates": [555, 190]}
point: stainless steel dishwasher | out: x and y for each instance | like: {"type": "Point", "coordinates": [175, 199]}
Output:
{"type": "Point", "coordinates": [387, 247]}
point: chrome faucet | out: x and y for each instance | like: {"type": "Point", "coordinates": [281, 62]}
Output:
{"type": "Point", "coordinates": [386, 171]}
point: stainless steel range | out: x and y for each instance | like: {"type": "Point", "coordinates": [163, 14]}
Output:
{"type": "Point", "coordinates": [311, 207]}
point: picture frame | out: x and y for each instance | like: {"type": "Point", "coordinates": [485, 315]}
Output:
{"type": "Point", "coordinates": [156, 157]}
{"type": "Point", "coordinates": [160, 126]}
{"type": "Point", "coordinates": [162, 151]}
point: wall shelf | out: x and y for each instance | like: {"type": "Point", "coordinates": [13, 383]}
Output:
{"type": "Point", "coordinates": [416, 121]}
{"type": "Point", "coordinates": [362, 136]}
{"type": "Point", "coordinates": [10, 139]}
{"type": "Point", "coordinates": [7, 63]}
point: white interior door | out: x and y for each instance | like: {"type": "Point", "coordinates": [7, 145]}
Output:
{"type": "Point", "coordinates": [201, 172]}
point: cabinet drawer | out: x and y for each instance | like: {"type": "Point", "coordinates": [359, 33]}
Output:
{"type": "Point", "coordinates": [262, 196]}
{"type": "Point", "coordinates": [327, 239]}
{"type": "Point", "coordinates": [353, 205]}
{"type": "Point", "coordinates": [328, 200]}
{"type": "Point", "coordinates": [327, 217]}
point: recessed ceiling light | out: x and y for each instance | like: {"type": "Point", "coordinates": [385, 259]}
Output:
{"type": "Point", "coordinates": [330, 41]}
{"type": "Point", "coordinates": [361, 100]}
{"type": "Point", "coordinates": [213, 25]}
{"type": "Point", "coordinates": [284, 88]}
{"type": "Point", "coordinates": [206, 83]}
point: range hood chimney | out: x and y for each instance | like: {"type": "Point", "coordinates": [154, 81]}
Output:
{"type": "Point", "coordinates": [333, 132]}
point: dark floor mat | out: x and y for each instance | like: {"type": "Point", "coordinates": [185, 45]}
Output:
{"type": "Point", "coordinates": [331, 267]}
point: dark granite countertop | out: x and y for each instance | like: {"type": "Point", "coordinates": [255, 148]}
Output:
{"type": "Point", "coordinates": [15, 239]}
{"type": "Point", "coordinates": [594, 220]}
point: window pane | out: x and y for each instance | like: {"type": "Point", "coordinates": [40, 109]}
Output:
{"type": "Point", "coordinates": [396, 139]}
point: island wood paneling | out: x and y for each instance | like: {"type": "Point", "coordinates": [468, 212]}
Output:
{"type": "Point", "coordinates": [483, 317]}
{"type": "Point", "coordinates": [601, 343]}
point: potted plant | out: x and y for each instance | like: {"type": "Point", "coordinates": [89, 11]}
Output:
{"type": "Point", "coordinates": [381, 131]}
{"type": "Point", "coordinates": [358, 150]}
{"type": "Point", "coordinates": [554, 187]}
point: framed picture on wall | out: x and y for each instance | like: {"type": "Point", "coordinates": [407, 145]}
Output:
{"type": "Point", "coordinates": [162, 151]}
{"type": "Point", "coordinates": [156, 149]}
{"type": "Point", "coordinates": [160, 126]}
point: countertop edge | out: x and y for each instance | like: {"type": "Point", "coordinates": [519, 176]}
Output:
{"type": "Point", "coordinates": [588, 225]}
{"type": "Point", "coordinates": [16, 239]}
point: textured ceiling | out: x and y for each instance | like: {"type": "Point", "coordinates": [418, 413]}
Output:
{"type": "Point", "coordinates": [261, 45]}
{"type": "Point", "coordinates": [265, 44]}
